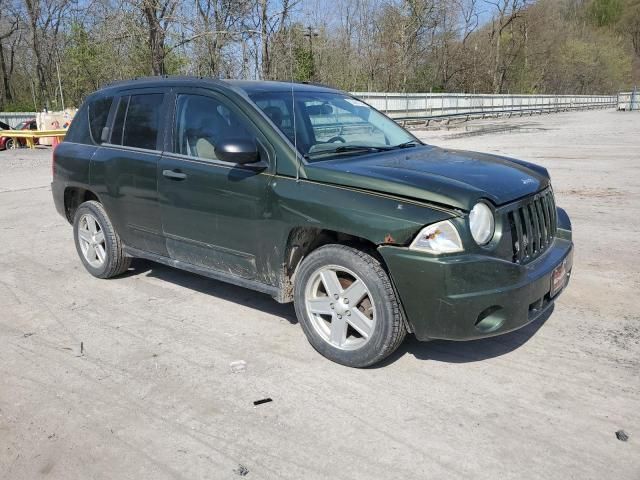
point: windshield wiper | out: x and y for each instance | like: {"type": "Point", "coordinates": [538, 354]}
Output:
{"type": "Point", "coordinates": [410, 143]}
{"type": "Point", "coordinates": [352, 148]}
{"type": "Point", "coordinates": [348, 148]}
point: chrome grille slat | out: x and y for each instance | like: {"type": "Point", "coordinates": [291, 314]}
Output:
{"type": "Point", "coordinates": [547, 217]}
{"type": "Point", "coordinates": [554, 214]}
{"type": "Point", "coordinates": [541, 241]}
{"type": "Point", "coordinates": [536, 227]}
{"type": "Point", "coordinates": [533, 224]}
{"type": "Point", "coordinates": [517, 243]}
{"type": "Point", "coordinates": [529, 231]}
{"type": "Point", "coordinates": [543, 224]}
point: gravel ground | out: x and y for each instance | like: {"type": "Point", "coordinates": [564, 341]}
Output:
{"type": "Point", "coordinates": [130, 378]}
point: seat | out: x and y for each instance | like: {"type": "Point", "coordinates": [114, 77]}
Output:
{"type": "Point", "coordinates": [208, 128]}
{"type": "Point", "coordinates": [275, 114]}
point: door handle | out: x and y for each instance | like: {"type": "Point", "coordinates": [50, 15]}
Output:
{"type": "Point", "coordinates": [174, 174]}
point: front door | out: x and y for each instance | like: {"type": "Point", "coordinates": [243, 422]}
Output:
{"type": "Point", "coordinates": [212, 211]}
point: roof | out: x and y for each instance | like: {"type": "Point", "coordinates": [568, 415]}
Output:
{"type": "Point", "coordinates": [255, 86]}
{"type": "Point", "coordinates": [247, 87]}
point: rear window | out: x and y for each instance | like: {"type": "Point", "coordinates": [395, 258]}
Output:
{"type": "Point", "coordinates": [138, 120]}
{"type": "Point", "coordinates": [98, 114]}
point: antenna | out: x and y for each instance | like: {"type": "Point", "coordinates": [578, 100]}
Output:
{"type": "Point", "coordinates": [293, 106]}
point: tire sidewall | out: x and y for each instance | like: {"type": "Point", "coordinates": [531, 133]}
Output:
{"type": "Point", "coordinates": [93, 208]}
{"type": "Point", "coordinates": [374, 350]}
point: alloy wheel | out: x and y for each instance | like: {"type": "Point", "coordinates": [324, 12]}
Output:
{"type": "Point", "coordinates": [340, 307]}
{"type": "Point", "coordinates": [92, 241]}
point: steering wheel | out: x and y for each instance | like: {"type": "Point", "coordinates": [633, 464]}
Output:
{"type": "Point", "coordinates": [337, 138]}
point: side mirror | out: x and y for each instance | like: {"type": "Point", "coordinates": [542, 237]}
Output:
{"type": "Point", "coordinates": [238, 150]}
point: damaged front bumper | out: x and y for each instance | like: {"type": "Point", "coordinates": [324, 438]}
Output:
{"type": "Point", "coordinates": [465, 297]}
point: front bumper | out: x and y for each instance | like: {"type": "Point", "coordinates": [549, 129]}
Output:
{"type": "Point", "coordinates": [465, 297]}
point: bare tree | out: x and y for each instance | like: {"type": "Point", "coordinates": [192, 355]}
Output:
{"type": "Point", "coordinates": [271, 25]}
{"type": "Point", "coordinates": [44, 19]}
{"type": "Point", "coordinates": [220, 22]}
{"type": "Point", "coordinates": [505, 12]}
{"type": "Point", "coordinates": [9, 24]}
{"type": "Point", "coordinates": [158, 15]}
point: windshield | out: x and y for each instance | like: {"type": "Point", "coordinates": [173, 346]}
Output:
{"type": "Point", "coordinates": [332, 124]}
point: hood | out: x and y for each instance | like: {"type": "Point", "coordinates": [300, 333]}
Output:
{"type": "Point", "coordinates": [447, 177]}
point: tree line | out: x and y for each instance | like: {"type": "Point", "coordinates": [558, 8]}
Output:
{"type": "Point", "coordinates": [54, 52]}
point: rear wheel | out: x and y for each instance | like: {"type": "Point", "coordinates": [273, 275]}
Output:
{"type": "Point", "coordinates": [347, 307]}
{"type": "Point", "coordinates": [9, 143]}
{"type": "Point", "coordinates": [97, 242]}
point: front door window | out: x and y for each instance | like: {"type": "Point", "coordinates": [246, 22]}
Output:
{"type": "Point", "coordinates": [201, 122]}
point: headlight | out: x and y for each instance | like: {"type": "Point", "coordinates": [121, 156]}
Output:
{"type": "Point", "coordinates": [438, 238]}
{"type": "Point", "coordinates": [482, 223]}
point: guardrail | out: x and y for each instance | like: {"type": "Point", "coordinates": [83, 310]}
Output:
{"type": "Point", "coordinates": [30, 135]}
{"type": "Point", "coordinates": [426, 106]}
{"type": "Point", "coordinates": [417, 107]}
{"type": "Point", "coordinates": [629, 101]}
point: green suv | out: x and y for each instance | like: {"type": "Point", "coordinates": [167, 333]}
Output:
{"type": "Point", "coordinates": [313, 197]}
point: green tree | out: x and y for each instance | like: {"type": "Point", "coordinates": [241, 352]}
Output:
{"type": "Point", "coordinates": [303, 64]}
{"type": "Point", "coordinates": [605, 12]}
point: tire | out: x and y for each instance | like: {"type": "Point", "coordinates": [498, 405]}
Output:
{"type": "Point", "coordinates": [99, 246]}
{"type": "Point", "coordinates": [374, 321]}
{"type": "Point", "coordinates": [8, 144]}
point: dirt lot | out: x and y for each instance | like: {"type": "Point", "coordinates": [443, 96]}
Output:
{"type": "Point", "coordinates": [151, 394]}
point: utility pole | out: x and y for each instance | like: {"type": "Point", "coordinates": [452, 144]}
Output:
{"type": "Point", "coordinates": [311, 32]}
{"type": "Point", "coordinates": [60, 84]}
{"type": "Point", "coordinates": [245, 60]}
{"type": "Point", "coordinates": [475, 55]}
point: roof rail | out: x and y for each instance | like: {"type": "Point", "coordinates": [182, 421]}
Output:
{"type": "Point", "coordinates": [158, 77]}
{"type": "Point", "coordinates": [318, 84]}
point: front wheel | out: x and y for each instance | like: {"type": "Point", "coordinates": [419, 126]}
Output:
{"type": "Point", "coordinates": [347, 307]}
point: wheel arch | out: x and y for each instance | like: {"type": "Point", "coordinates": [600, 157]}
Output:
{"type": "Point", "coordinates": [303, 240]}
{"type": "Point", "coordinates": [75, 196]}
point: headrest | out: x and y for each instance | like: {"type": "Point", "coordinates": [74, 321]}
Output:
{"type": "Point", "coordinates": [324, 109]}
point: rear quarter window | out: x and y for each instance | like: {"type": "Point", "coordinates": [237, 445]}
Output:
{"type": "Point", "coordinates": [79, 129]}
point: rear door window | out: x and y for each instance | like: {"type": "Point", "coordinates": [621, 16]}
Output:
{"type": "Point", "coordinates": [98, 115]}
{"type": "Point", "coordinates": [137, 121]}
{"type": "Point", "coordinates": [142, 121]}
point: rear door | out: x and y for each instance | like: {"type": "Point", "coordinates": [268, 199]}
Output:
{"type": "Point", "coordinates": [125, 167]}
{"type": "Point", "coordinates": [212, 210]}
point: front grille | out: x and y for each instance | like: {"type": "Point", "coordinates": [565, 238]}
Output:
{"type": "Point", "coordinates": [533, 226]}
